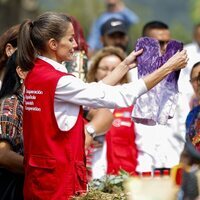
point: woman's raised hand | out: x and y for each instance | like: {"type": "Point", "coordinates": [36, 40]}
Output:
{"type": "Point", "coordinates": [130, 60]}
{"type": "Point", "coordinates": [178, 60]}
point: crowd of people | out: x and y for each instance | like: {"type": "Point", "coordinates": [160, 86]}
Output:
{"type": "Point", "coordinates": [66, 105]}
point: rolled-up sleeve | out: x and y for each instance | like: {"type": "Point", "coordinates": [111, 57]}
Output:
{"type": "Point", "coordinates": [73, 90]}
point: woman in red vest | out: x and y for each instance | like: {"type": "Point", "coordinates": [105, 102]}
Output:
{"type": "Point", "coordinates": [53, 126]}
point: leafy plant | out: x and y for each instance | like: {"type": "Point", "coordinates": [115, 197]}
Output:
{"type": "Point", "coordinates": [109, 187]}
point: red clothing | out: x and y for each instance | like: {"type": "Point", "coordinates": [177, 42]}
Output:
{"type": "Point", "coordinates": [121, 147]}
{"type": "Point", "coordinates": [54, 159]}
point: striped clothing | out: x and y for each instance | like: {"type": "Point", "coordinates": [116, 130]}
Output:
{"type": "Point", "coordinates": [11, 109]}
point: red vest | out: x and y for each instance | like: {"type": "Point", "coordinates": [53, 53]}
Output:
{"type": "Point", "coordinates": [121, 147]}
{"type": "Point", "coordinates": [54, 159]}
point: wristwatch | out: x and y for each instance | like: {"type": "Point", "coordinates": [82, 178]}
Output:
{"type": "Point", "coordinates": [90, 129]}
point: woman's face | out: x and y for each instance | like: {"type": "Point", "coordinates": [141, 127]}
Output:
{"type": "Point", "coordinates": [65, 47]}
{"type": "Point", "coordinates": [106, 65]}
{"type": "Point", "coordinates": [194, 80]}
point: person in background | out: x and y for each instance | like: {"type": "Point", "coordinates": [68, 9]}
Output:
{"type": "Point", "coordinates": [55, 166]}
{"type": "Point", "coordinates": [78, 66]}
{"type": "Point", "coordinates": [114, 32]}
{"type": "Point", "coordinates": [159, 31]}
{"type": "Point", "coordinates": [158, 146]}
{"type": "Point", "coordinates": [190, 157]}
{"type": "Point", "coordinates": [119, 151]}
{"type": "Point", "coordinates": [98, 122]}
{"type": "Point", "coordinates": [114, 9]}
{"type": "Point", "coordinates": [195, 82]}
{"type": "Point", "coordinates": [11, 139]}
{"type": "Point", "coordinates": [8, 44]}
{"type": "Point", "coordinates": [193, 50]}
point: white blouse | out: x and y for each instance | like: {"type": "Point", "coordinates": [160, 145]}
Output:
{"type": "Point", "coordinates": [72, 92]}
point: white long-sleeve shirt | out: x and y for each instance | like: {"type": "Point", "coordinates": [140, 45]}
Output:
{"type": "Point", "coordinates": [72, 92]}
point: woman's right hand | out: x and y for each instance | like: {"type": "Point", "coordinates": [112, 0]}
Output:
{"type": "Point", "coordinates": [178, 61]}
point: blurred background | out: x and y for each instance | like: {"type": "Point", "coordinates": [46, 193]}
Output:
{"type": "Point", "coordinates": [180, 15]}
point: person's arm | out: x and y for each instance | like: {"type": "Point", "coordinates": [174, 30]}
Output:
{"type": "Point", "coordinates": [9, 159]}
{"type": "Point", "coordinates": [176, 62]}
{"type": "Point", "coordinates": [100, 120]}
{"type": "Point", "coordinates": [99, 95]}
{"type": "Point", "coordinates": [10, 133]}
{"type": "Point", "coordinates": [119, 71]}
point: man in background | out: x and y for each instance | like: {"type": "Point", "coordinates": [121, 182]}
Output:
{"type": "Point", "coordinates": [114, 9]}
{"type": "Point", "coordinates": [114, 32]}
{"type": "Point", "coordinates": [160, 146]}
{"type": "Point", "coordinates": [159, 31]}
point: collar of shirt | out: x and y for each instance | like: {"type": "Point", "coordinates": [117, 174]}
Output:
{"type": "Point", "coordinates": [56, 65]}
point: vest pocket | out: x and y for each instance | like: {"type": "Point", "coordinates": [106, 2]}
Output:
{"type": "Point", "coordinates": [123, 156]}
{"type": "Point", "coordinates": [42, 173]}
{"type": "Point", "coordinates": [121, 148]}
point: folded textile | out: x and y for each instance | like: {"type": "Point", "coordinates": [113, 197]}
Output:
{"type": "Point", "coordinates": [158, 104]}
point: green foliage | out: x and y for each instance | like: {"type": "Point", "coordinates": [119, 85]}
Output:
{"type": "Point", "coordinates": [179, 32]}
{"type": "Point", "coordinates": [194, 9]}
{"type": "Point", "coordinates": [109, 187]}
{"type": "Point", "coordinates": [110, 183]}
{"type": "Point", "coordinates": [97, 195]}
{"type": "Point", "coordinates": [85, 11]}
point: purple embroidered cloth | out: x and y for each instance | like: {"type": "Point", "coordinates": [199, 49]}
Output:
{"type": "Point", "coordinates": [158, 104]}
